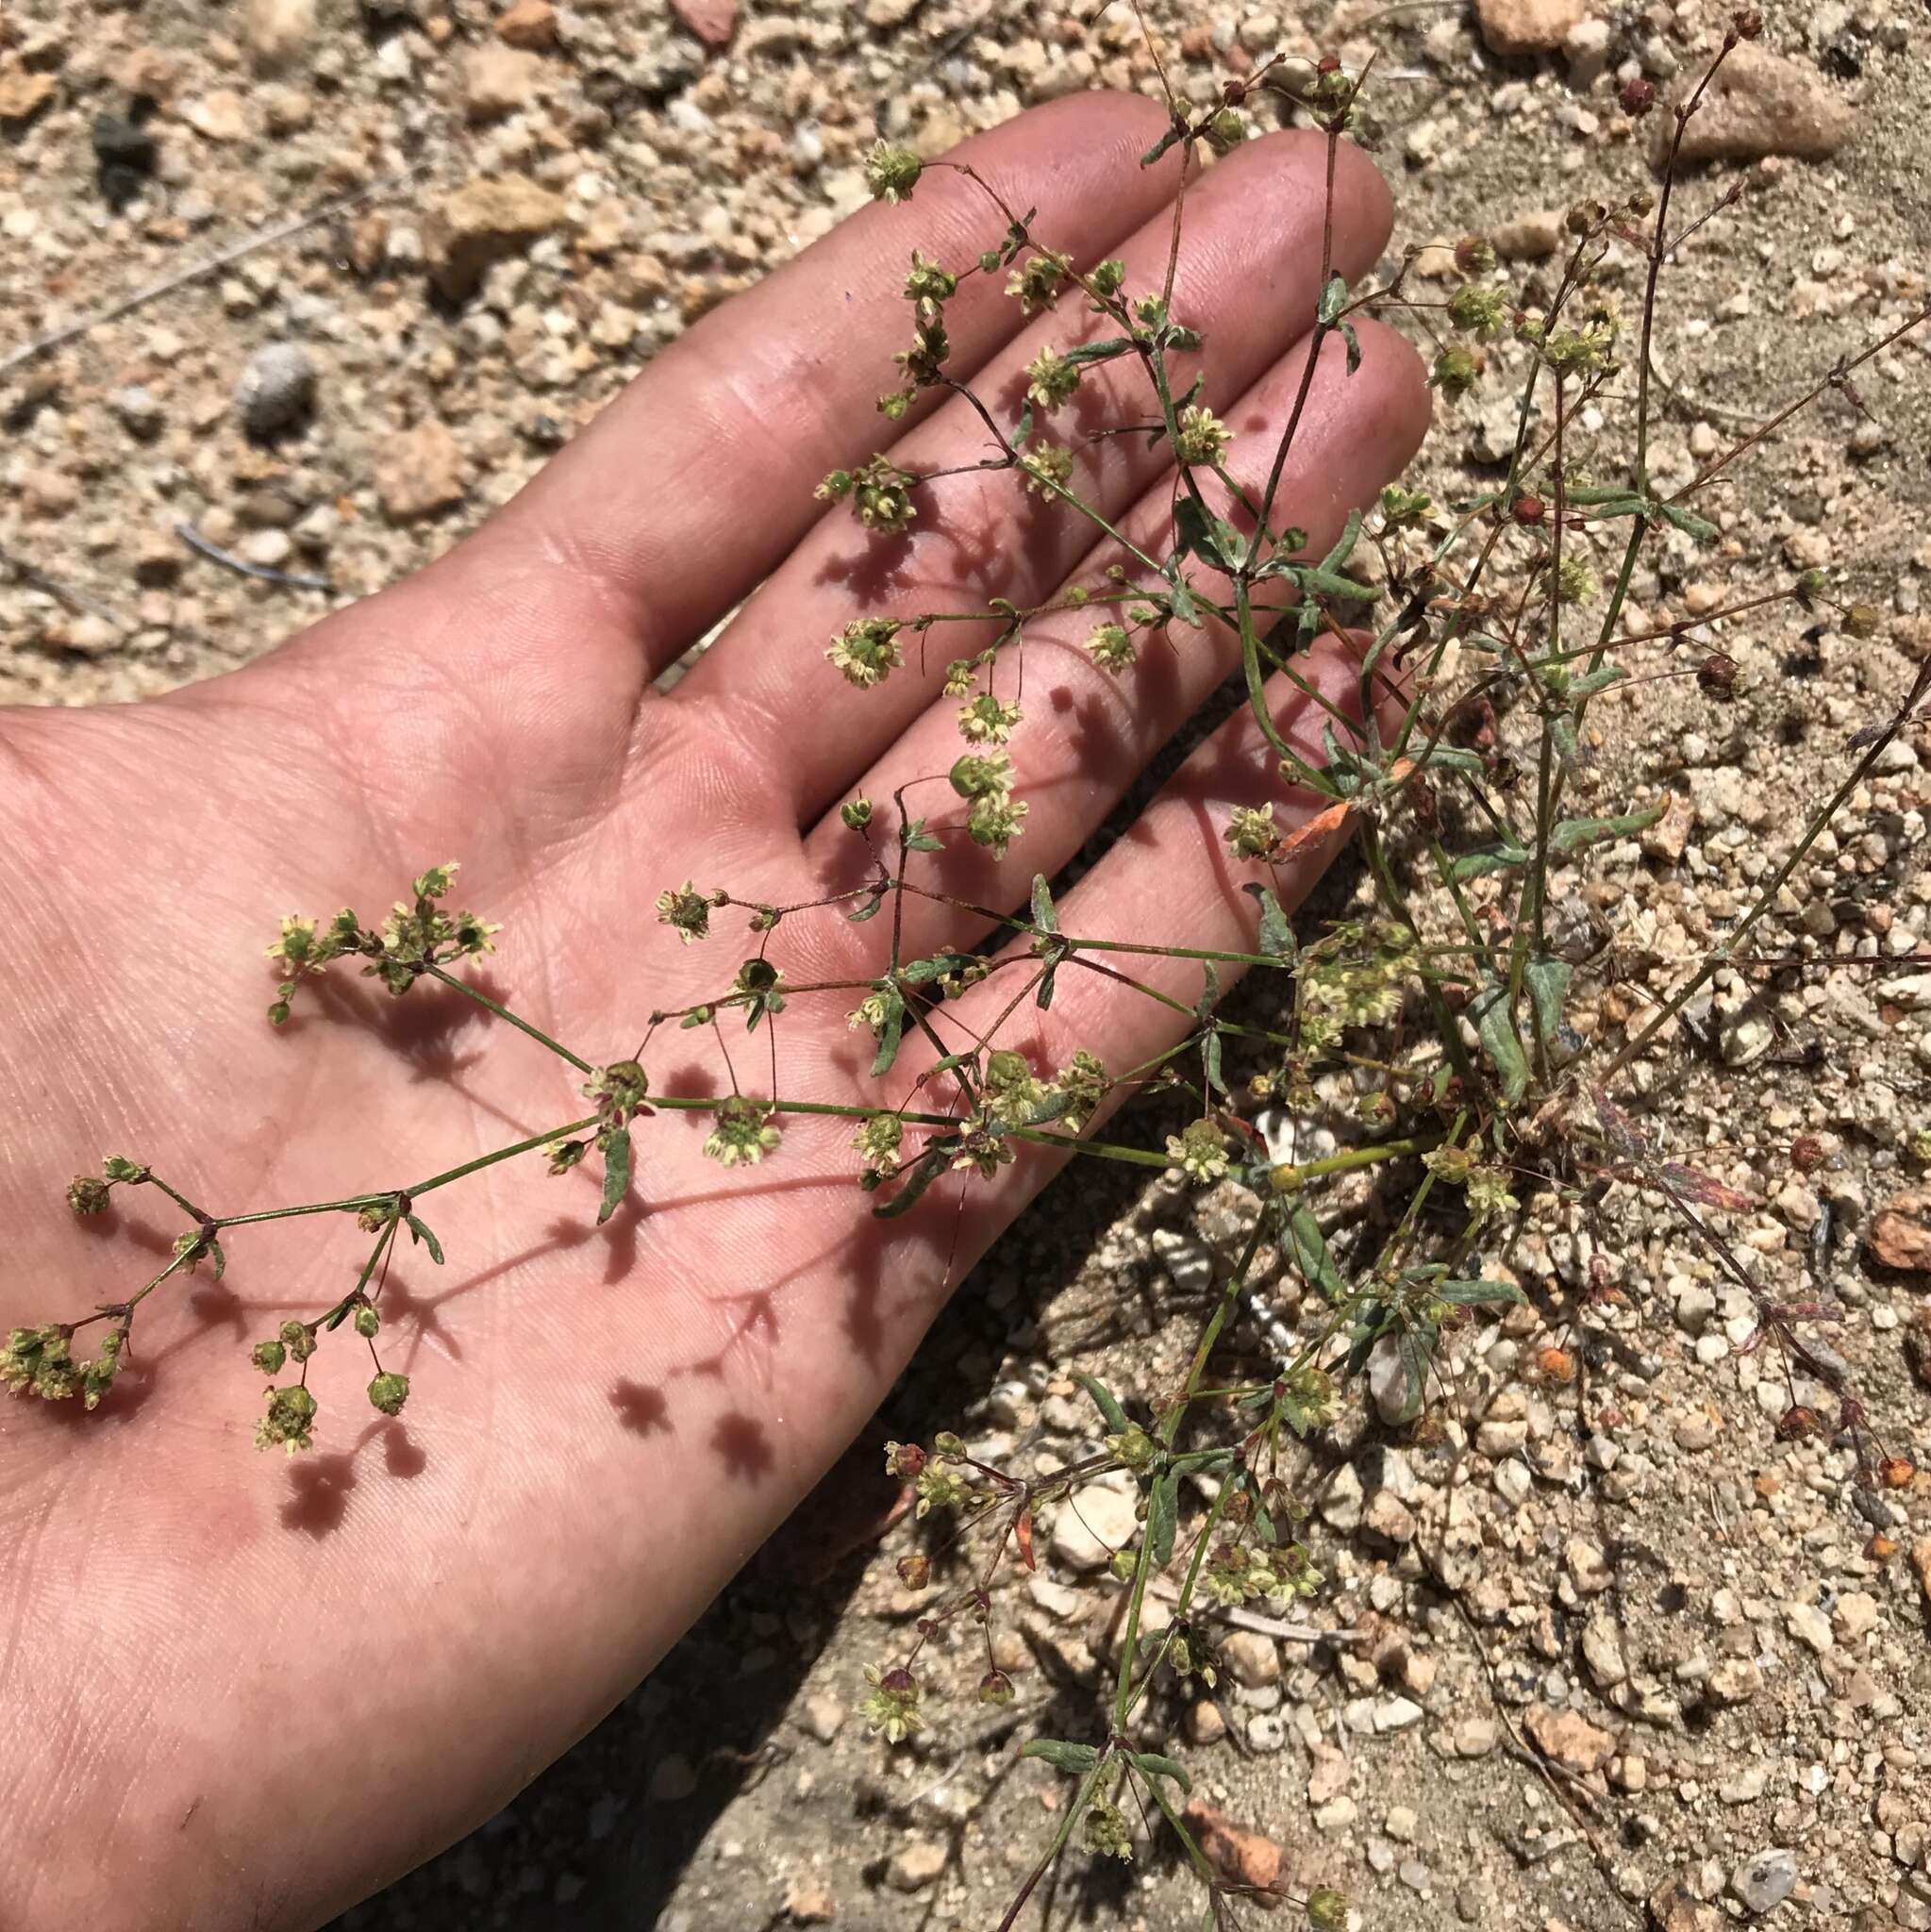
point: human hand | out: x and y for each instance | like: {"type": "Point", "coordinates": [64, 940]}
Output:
{"type": "Point", "coordinates": [231, 1687]}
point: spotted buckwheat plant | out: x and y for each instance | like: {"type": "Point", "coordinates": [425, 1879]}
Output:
{"type": "Point", "coordinates": [1463, 1038]}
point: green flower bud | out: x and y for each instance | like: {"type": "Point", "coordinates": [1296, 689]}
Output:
{"type": "Point", "coordinates": [268, 1357]}
{"type": "Point", "coordinates": [367, 1323]}
{"type": "Point", "coordinates": [891, 173]}
{"type": "Point", "coordinates": [290, 1422]}
{"type": "Point", "coordinates": [856, 814]}
{"type": "Point", "coordinates": [1226, 130]}
{"type": "Point", "coordinates": [299, 1342]}
{"type": "Point", "coordinates": [1455, 373]}
{"type": "Point", "coordinates": [388, 1391]}
{"type": "Point", "coordinates": [1327, 1910]}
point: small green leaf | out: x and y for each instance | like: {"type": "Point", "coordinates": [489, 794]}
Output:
{"type": "Point", "coordinates": [1334, 298]}
{"type": "Point", "coordinates": [1353, 342]}
{"type": "Point", "coordinates": [890, 1031]}
{"type": "Point", "coordinates": [220, 1258]}
{"type": "Point", "coordinates": [917, 1180]}
{"type": "Point", "coordinates": [1210, 1063]}
{"type": "Point", "coordinates": [868, 911]}
{"type": "Point", "coordinates": [922, 972]}
{"type": "Point", "coordinates": [1474, 1294]}
{"type": "Point", "coordinates": [1416, 1349]}
{"type": "Point", "coordinates": [1209, 992]}
{"type": "Point", "coordinates": [1479, 865]}
{"type": "Point", "coordinates": [1173, 133]}
{"type": "Point", "coordinates": [1689, 523]}
{"type": "Point", "coordinates": [1162, 1518]}
{"type": "Point", "coordinates": [1074, 1758]}
{"type": "Point", "coordinates": [1309, 1250]}
{"type": "Point", "coordinates": [616, 1151]}
{"type": "Point", "coordinates": [1548, 983]}
{"type": "Point", "coordinates": [419, 1231]}
{"type": "Point", "coordinates": [1277, 937]}
{"type": "Point", "coordinates": [1044, 915]}
{"type": "Point", "coordinates": [1151, 1765]}
{"type": "Point", "coordinates": [1097, 352]}
{"type": "Point", "coordinates": [1495, 1025]}
{"type": "Point", "coordinates": [1107, 1403]}
{"type": "Point", "coordinates": [1571, 835]}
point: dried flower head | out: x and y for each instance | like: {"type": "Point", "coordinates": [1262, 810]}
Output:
{"type": "Point", "coordinates": [866, 650]}
{"type": "Point", "coordinates": [1201, 436]}
{"type": "Point", "coordinates": [1111, 648]}
{"type": "Point", "coordinates": [743, 1133]}
{"type": "Point", "coordinates": [892, 1709]}
{"type": "Point", "coordinates": [891, 173]}
{"type": "Point", "coordinates": [1199, 1152]}
{"type": "Point", "coordinates": [290, 1422]}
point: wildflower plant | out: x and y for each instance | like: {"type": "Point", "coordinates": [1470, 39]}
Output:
{"type": "Point", "coordinates": [1452, 1034]}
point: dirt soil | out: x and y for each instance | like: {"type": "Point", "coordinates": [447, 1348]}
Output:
{"type": "Point", "coordinates": [1627, 1654]}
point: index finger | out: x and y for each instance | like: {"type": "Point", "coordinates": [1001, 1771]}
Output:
{"type": "Point", "coordinates": [697, 481]}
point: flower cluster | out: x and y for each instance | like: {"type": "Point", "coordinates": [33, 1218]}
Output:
{"type": "Point", "coordinates": [879, 491]}
{"type": "Point", "coordinates": [1200, 1152]}
{"type": "Point", "coordinates": [742, 1133]}
{"type": "Point", "coordinates": [1110, 648]}
{"type": "Point", "coordinates": [417, 936]}
{"type": "Point", "coordinates": [687, 911]}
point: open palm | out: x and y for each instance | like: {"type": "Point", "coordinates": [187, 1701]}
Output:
{"type": "Point", "coordinates": [239, 1691]}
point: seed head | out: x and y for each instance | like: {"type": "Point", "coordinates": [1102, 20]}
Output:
{"type": "Point", "coordinates": [891, 173]}
{"type": "Point", "coordinates": [1455, 373]}
{"type": "Point", "coordinates": [915, 1572]}
{"type": "Point", "coordinates": [1715, 676]}
{"type": "Point", "coordinates": [1528, 510]}
{"type": "Point", "coordinates": [996, 1686]}
{"type": "Point", "coordinates": [1637, 98]}
{"type": "Point", "coordinates": [1475, 255]}
{"type": "Point", "coordinates": [388, 1391]}
{"type": "Point", "coordinates": [87, 1195]}
{"type": "Point", "coordinates": [1807, 1153]}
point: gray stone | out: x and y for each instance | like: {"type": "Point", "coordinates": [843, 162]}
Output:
{"type": "Point", "coordinates": [277, 388]}
{"type": "Point", "coordinates": [1765, 1880]}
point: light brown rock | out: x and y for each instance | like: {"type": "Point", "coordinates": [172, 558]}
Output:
{"type": "Point", "coordinates": [918, 1865]}
{"type": "Point", "coordinates": [499, 80]}
{"type": "Point", "coordinates": [809, 1902]}
{"type": "Point", "coordinates": [423, 473]}
{"type": "Point", "coordinates": [1901, 1233]}
{"type": "Point", "coordinates": [530, 25]}
{"type": "Point", "coordinates": [1532, 237]}
{"type": "Point", "coordinates": [1667, 838]}
{"type": "Point", "coordinates": [1568, 1739]}
{"type": "Point", "coordinates": [1242, 1856]}
{"type": "Point", "coordinates": [1528, 27]}
{"type": "Point", "coordinates": [1760, 103]}
{"type": "Point", "coordinates": [1673, 1909]}
{"type": "Point", "coordinates": [22, 95]}
{"type": "Point", "coordinates": [1920, 1562]}
{"type": "Point", "coordinates": [483, 221]}
{"type": "Point", "coordinates": [274, 30]}
{"type": "Point", "coordinates": [220, 116]}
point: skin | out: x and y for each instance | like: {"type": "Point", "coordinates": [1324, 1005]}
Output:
{"type": "Point", "coordinates": [230, 1682]}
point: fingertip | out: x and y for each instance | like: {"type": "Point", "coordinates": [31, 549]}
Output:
{"type": "Point", "coordinates": [1405, 375]}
